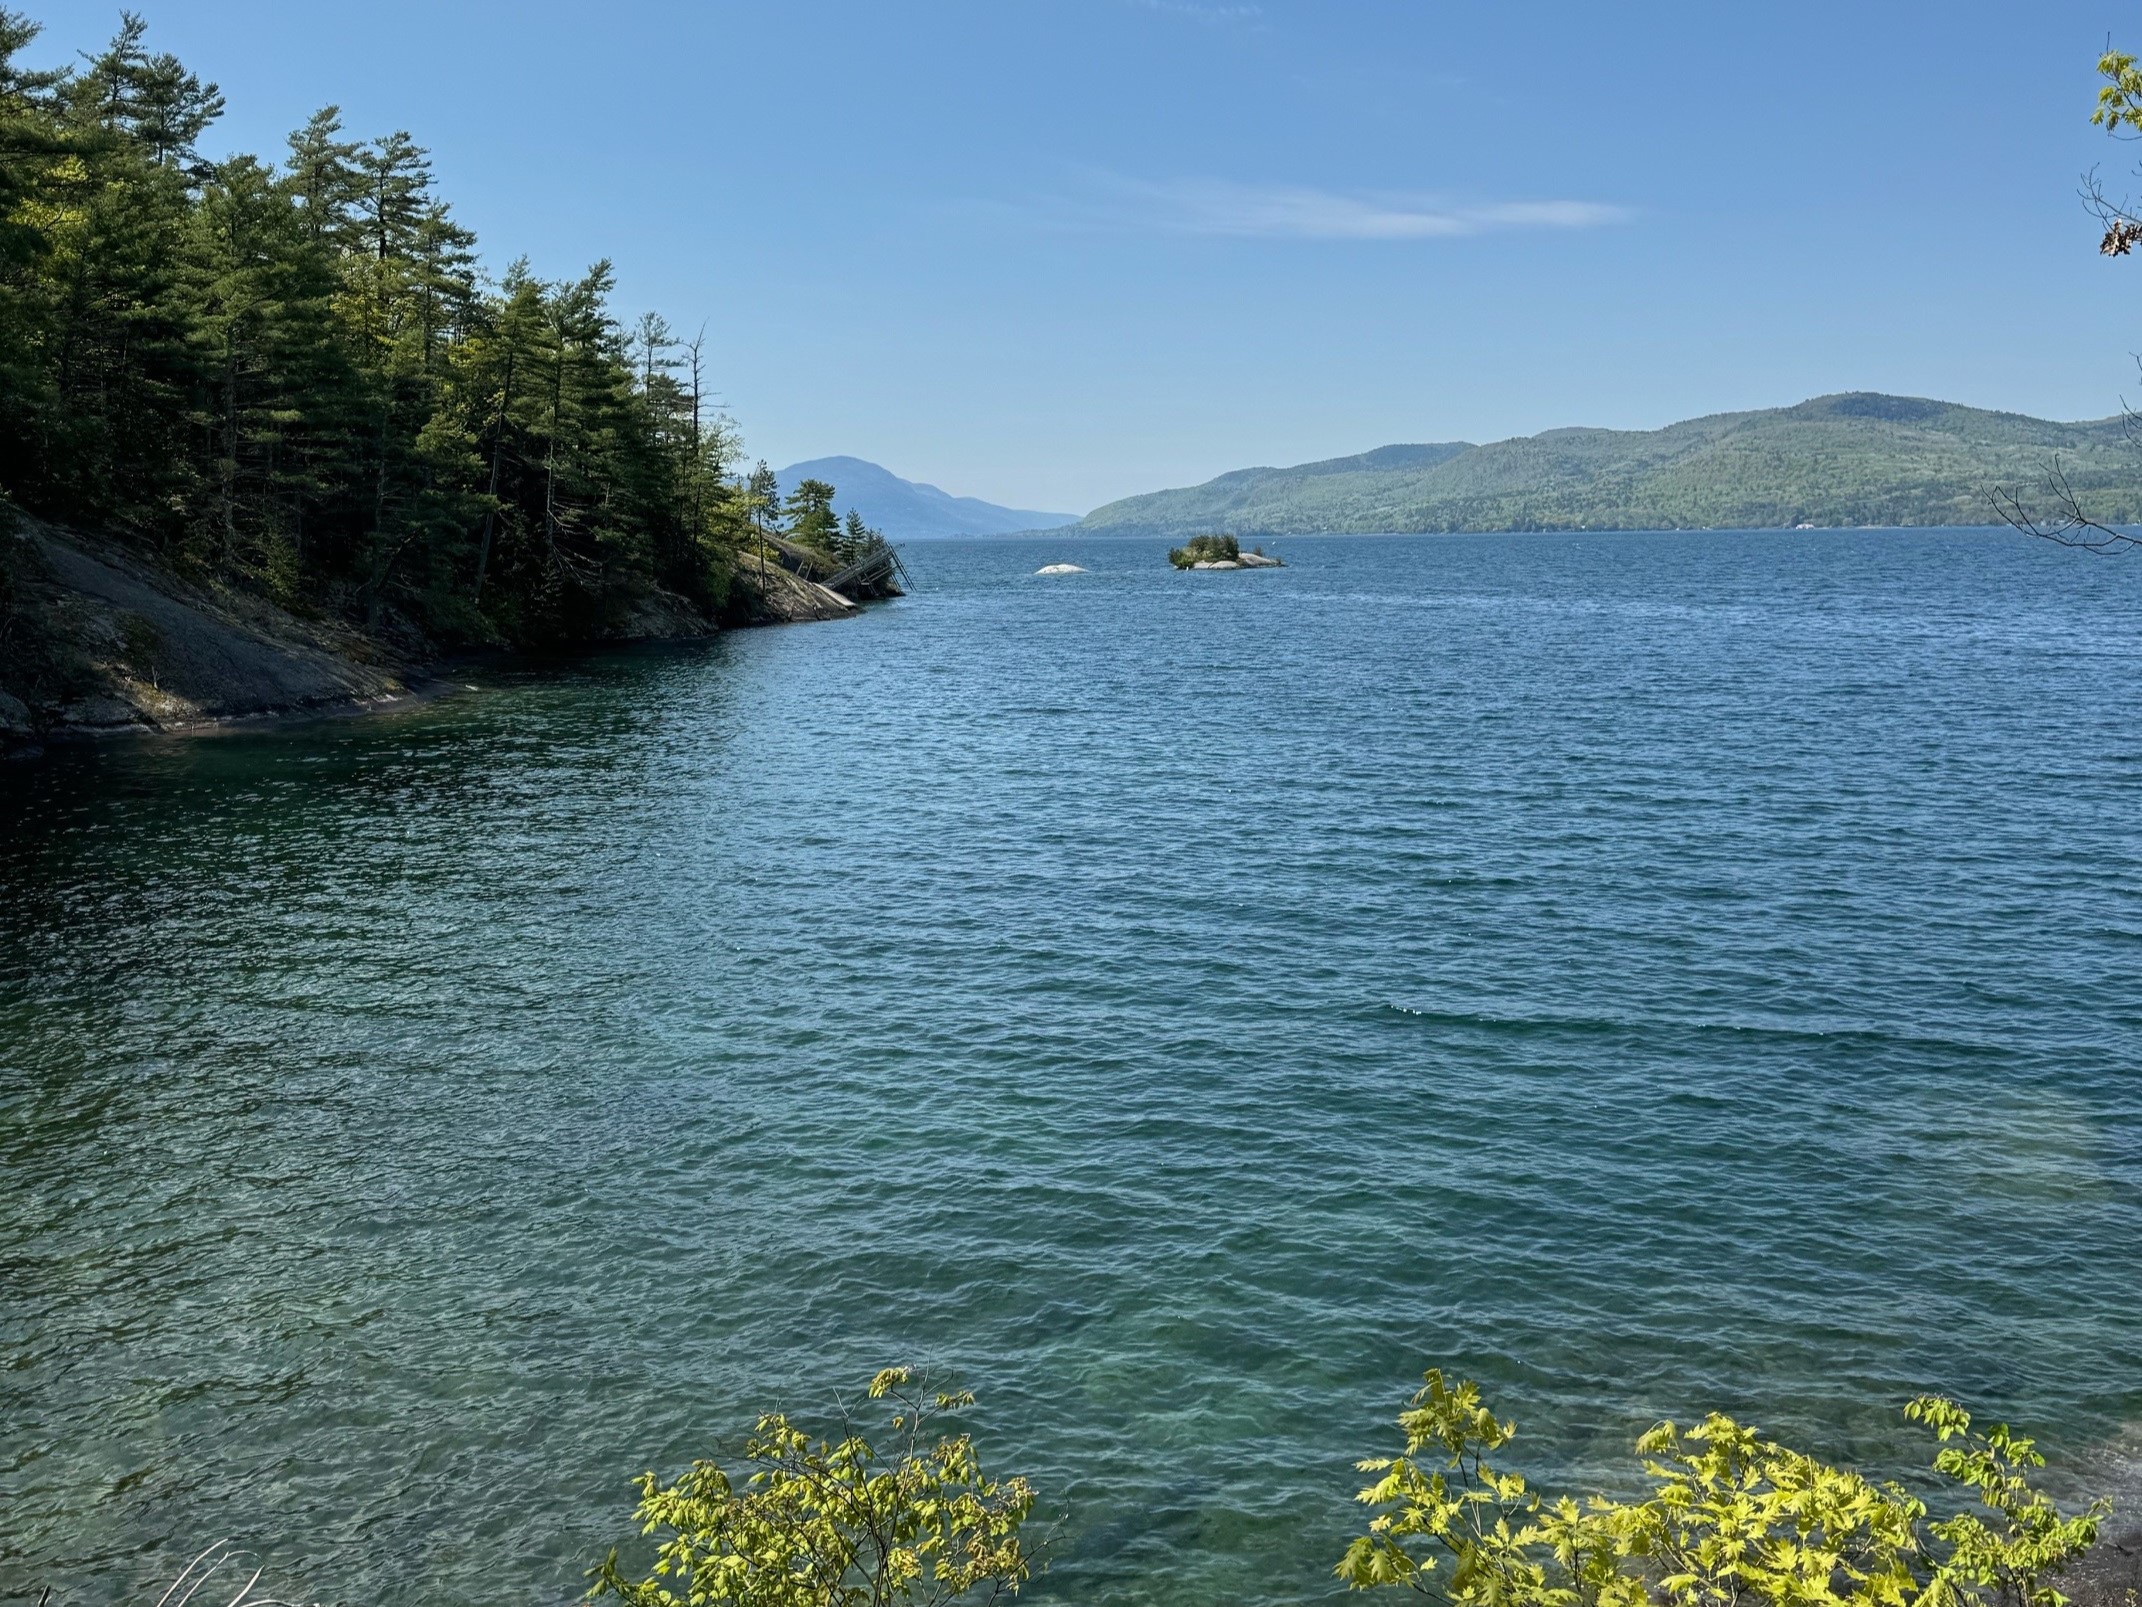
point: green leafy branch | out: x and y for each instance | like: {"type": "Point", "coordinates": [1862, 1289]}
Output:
{"type": "Point", "coordinates": [1732, 1520]}
{"type": "Point", "coordinates": [818, 1523]}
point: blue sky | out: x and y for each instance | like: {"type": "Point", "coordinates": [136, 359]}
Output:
{"type": "Point", "coordinates": [1056, 251]}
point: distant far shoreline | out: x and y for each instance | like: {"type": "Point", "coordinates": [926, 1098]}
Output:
{"type": "Point", "coordinates": [1251, 533]}
{"type": "Point", "coordinates": [1851, 462]}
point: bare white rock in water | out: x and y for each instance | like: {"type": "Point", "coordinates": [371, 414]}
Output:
{"type": "Point", "coordinates": [1059, 569]}
{"type": "Point", "coordinates": [1216, 563]}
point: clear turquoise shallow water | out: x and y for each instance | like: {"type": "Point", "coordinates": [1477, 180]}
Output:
{"type": "Point", "coordinates": [1648, 972]}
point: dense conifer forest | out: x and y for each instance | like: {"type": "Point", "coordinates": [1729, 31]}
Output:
{"type": "Point", "coordinates": [296, 374]}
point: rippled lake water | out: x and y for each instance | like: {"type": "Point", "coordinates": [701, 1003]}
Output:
{"type": "Point", "coordinates": [1649, 973]}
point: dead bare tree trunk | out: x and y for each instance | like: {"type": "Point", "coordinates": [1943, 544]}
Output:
{"type": "Point", "coordinates": [498, 447]}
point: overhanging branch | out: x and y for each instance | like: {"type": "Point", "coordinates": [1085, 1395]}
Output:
{"type": "Point", "coordinates": [2068, 524]}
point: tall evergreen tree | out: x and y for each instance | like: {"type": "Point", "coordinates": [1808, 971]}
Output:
{"type": "Point", "coordinates": [762, 496]}
{"type": "Point", "coordinates": [324, 178]}
{"type": "Point", "coordinates": [855, 536]}
{"type": "Point", "coordinates": [299, 377]}
{"type": "Point", "coordinates": [811, 519]}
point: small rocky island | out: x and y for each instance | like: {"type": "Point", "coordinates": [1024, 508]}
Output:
{"type": "Point", "coordinates": [1220, 552]}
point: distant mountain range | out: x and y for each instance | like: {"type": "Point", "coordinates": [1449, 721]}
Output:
{"type": "Point", "coordinates": [907, 510]}
{"type": "Point", "coordinates": [1857, 459]}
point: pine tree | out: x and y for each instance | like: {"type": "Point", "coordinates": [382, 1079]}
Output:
{"type": "Point", "coordinates": [324, 179]}
{"type": "Point", "coordinates": [811, 519]}
{"type": "Point", "coordinates": [299, 378]}
{"type": "Point", "coordinates": [119, 364]}
{"type": "Point", "coordinates": [151, 101]}
{"type": "Point", "coordinates": [856, 537]}
{"type": "Point", "coordinates": [32, 143]}
{"type": "Point", "coordinates": [762, 496]}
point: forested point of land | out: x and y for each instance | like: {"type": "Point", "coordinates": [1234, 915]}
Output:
{"type": "Point", "coordinates": [1859, 459]}
{"type": "Point", "coordinates": [295, 375]}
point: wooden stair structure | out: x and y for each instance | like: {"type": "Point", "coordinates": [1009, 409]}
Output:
{"type": "Point", "coordinates": [799, 583]}
{"type": "Point", "coordinates": [871, 574]}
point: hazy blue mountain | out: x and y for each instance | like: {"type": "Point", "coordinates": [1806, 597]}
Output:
{"type": "Point", "coordinates": [1859, 459]}
{"type": "Point", "coordinates": [907, 510]}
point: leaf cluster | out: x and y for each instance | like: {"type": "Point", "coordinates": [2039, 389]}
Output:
{"type": "Point", "coordinates": [839, 1522]}
{"type": "Point", "coordinates": [1731, 1520]}
{"type": "Point", "coordinates": [2119, 99]}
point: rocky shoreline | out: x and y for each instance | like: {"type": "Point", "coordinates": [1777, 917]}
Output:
{"type": "Point", "coordinates": [1246, 560]}
{"type": "Point", "coordinates": [98, 641]}
{"type": "Point", "coordinates": [1220, 551]}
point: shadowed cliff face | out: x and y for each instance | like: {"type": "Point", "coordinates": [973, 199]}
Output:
{"type": "Point", "coordinates": [97, 640]}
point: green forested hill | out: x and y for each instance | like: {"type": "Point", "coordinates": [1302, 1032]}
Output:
{"type": "Point", "coordinates": [1858, 459]}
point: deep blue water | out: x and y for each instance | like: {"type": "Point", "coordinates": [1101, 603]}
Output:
{"type": "Point", "coordinates": [1649, 973]}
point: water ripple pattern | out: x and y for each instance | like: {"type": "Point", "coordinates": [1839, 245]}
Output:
{"type": "Point", "coordinates": [1649, 973]}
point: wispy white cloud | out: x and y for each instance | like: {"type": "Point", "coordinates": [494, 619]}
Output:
{"type": "Point", "coordinates": [1295, 212]}
{"type": "Point", "coordinates": [1203, 10]}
